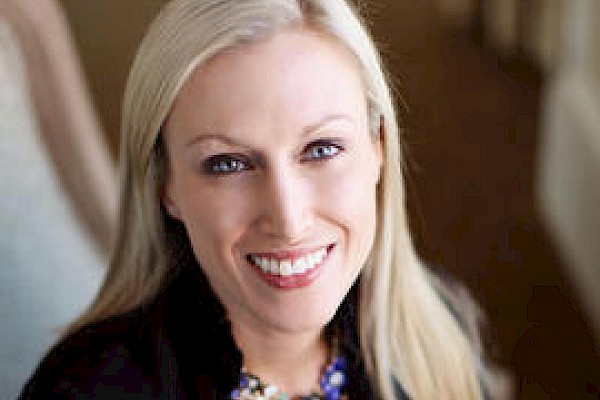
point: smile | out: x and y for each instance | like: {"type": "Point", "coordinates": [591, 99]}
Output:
{"type": "Point", "coordinates": [289, 270]}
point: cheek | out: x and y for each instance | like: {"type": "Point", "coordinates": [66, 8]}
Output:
{"type": "Point", "coordinates": [213, 219]}
{"type": "Point", "coordinates": [349, 191]}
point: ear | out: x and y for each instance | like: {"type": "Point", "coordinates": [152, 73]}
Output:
{"type": "Point", "coordinates": [168, 201]}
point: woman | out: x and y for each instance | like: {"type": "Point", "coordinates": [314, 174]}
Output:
{"type": "Point", "coordinates": [263, 248]}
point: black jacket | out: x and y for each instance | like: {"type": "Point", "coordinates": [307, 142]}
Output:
{"type": "Point", "coordinates": [177, 347]}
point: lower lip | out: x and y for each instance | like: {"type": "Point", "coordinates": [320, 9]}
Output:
{"type": "Point", "coordinates": [293, 281]}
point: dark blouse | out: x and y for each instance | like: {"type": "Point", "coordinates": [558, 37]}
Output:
{"type": "Point", "coordinates": [177, 347]}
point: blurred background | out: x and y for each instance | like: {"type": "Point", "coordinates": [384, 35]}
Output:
{"type": "Point", "coordinates": [500, 101]}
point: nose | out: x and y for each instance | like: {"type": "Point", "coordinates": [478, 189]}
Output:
{"type": "Point", "coordinates": [284, 205]}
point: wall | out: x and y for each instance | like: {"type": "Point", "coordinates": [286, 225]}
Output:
{"type": "Point", "coordinates": [107, 33]}
{"type": "Point", "coordinates": [570, 157]}
{"type": "Point", "coordinates": [49, 270]}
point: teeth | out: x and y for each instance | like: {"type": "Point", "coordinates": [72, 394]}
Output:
{"type": "Point", "coordinates": [273, 267]}
{"type": "Point", "coordinates": [288, 267]}
{"type": "Point", "coordinates": [299, 266]}
{"type": "Point", "coordinates": [263, 263]}
{"type": "Point", "coordinates": [285, 268]}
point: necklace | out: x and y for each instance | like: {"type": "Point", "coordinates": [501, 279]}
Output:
{"type": "Point", "coordinates": [332, 385]}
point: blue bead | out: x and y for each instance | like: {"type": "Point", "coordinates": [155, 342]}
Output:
{"type": "Point", "coordinates": [332, 395]}
{"type": "Point", "coordinates": [340, 363]}
{"type": "Point", "coordinates": [337, 379]}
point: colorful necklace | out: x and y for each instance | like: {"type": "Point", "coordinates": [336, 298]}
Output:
{"type": "Point", "coordinates": [333, 383]}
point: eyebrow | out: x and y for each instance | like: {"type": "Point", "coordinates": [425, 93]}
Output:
{"type": "Point", "coordinates": [324, 121]}
{"type": "Point", "coordinates": [213, 136]}
{"type": "Point", "coordinates": [306, 131]}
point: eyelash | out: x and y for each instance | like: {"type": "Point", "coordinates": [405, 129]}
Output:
{"type": "Point", "coordinates": [334, 149]}
{"type": "Point", "coordinates": [229, 164]}
{"type": "Point", "coordinates": [225, 164]}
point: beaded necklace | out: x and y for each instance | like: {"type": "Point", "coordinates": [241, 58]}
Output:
{"type": "Point", "coordinates": [333, 383]}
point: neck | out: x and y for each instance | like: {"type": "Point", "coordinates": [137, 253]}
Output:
{"type": "Point", "coordinates": [291, 361]}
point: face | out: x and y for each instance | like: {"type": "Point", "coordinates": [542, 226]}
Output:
{"type": "Point", "coordinates": [273, 172]}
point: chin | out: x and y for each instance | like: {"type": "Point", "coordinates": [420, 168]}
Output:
{"type": "Point", "coordinates": [304, 318]}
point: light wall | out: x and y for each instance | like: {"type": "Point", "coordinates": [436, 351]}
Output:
{"type": "Point", "coordinates": [596, 48]}
{"type": "Point", "coordinates": [49, 269]}
{"type": "Point", "coordinates": [570, 152]}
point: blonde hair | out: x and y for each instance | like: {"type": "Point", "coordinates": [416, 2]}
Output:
{"type": "Point", "coordinates": [406, 329]}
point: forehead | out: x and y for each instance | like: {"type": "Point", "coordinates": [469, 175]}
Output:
{"type": "Point", "coordinates": [297, 75]}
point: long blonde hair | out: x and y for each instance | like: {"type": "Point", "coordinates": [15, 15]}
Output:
{"type": "Point", "coordinates": [406, 329]}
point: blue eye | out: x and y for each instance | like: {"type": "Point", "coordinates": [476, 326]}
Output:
{"type": "Point", "coordinates": [322, 150]}
{"type": "Point", "coordinates": [224, 164]}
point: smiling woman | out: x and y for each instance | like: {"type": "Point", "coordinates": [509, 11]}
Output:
{"type": "Point", "coordinates": [263, 234]}
{"type": "Point", "coordinates": [290, 180]}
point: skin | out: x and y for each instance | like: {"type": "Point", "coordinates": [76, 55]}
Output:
{"type": "Point", "coordinates": [288, 115]}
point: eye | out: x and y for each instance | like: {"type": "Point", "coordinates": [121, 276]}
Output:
{"type": "Point", "coordinates": [322, 150]}
{"type": "Point", "coordinates": [225, 164]}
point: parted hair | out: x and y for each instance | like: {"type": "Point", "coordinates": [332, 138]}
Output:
{"type": "Point", "coordinates": [407, 330]}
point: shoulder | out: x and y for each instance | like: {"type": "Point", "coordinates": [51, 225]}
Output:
{"type": "Point", "coordinates": [461, 304]}
{"type": "Point", "coordinates": [112, 359]}
{"type": "Point", "coordinates": [495, 382]}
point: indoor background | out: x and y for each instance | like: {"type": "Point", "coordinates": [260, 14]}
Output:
{"type": "Point", "coordinates": [500, 102]}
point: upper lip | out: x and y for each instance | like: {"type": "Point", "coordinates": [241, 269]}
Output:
{"type": "Point", "coordinates": [285, 254]}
